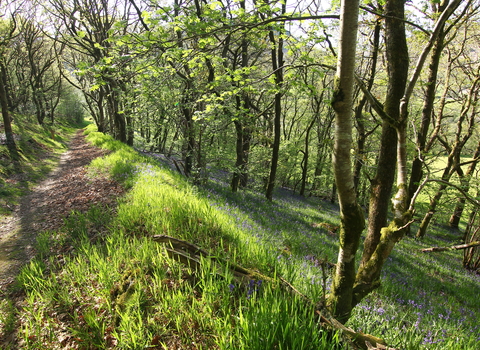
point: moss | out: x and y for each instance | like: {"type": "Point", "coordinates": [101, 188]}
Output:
{"type": "Point", "coordinates": [340, 301]}
{"type": "Point", "coordinates": [122, 291]}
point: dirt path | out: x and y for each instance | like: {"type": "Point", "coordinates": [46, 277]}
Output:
{"type": "Point", "coordinates": [67, 188]}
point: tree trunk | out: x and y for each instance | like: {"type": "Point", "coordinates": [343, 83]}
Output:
{"type": "Point", "coordinates": [422, 228]}
{"type": "Point", "coordinates": [362, 134]}
{"type": "Point", "coordinates": [243, 133]}
{"type": "Point", "coordinates": [381, 189]}
{"type": "Point", "coordinates": [7, 123]}
{"type": "Point", "coordinates": [352, 219]}
{"type": "Point", "coordinates": [277, 65]}
{"type": "Point", "coordinates": [465, 183]}
{"type": "Point", "coordinates": [190, 140]}
{"type": "Point", "coordinates": [397, 68]}
{"type": "Point", "coordinates": [240, 175]}
{"type": "Point", "coordinates": [416, 172]}
{"type": "Point", "coordinates": [306, 156]}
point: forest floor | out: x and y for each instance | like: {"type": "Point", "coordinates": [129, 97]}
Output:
{"type": "Point", "coordinates": [68, 187]}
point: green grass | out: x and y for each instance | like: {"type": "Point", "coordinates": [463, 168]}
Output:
{"type": "Point", "coordinates": [120, 290]}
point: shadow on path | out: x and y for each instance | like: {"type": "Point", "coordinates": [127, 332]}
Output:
{"type": "Point", "coordinates": [67, 188]}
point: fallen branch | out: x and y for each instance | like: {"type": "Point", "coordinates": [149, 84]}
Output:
{"type": "Point", "coordinates": [454, 247]}
{"type": "Point", "coordinates": [191, 255]}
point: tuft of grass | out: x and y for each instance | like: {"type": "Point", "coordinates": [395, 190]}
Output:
{"type": "Point", "coordinates": [8, 318]}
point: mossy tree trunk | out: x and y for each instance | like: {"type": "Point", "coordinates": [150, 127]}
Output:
{"type": "Point", "coordinates": [349, 289]}
{"type": "Point", "coordinates": [7, 123]}
{"type": "Point", "coordinates": [368, 275]}
{"type": "Point", "coordinates": [397, 67]}
{"type": "Point", "coordinates": [352, 220]}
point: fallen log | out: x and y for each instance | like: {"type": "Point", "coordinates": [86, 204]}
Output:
{"type": "Point", "coordinates": [191, 255]}
{"type": "Point", "coordinates": [454, 247]}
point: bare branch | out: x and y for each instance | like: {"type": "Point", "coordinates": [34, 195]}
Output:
{"type": "Point", "coordinates": [453, 247]}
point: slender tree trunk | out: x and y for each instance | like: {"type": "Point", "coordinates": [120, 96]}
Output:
{"type": "Point", "coordinates": [422, 228]}
{"type": "Point", "coordinates": [306, 156]}
{"type": "Point", "coordinates": [352, 219]}
{"type": "Point", "coordinates": [397, 67]}
{"type": "Point", "coordinates": [465, 183]}
{"type": "Point", "coordinates": [242, 149]}
{"type": "Point", "coordinates": [277, 65]}
{"type": "Point", "coordinates": [7, 123]}
{"type": "Point", "coordinates": [428, 101]}
{"type": "Point", "coordinates": [362, 134]}
{"type": "Point", "coordinates": [247, 139]}
{"type": "Point", "coordinates": [117, 117]}
{"type": "Point", "coordinates": [240, 177]}
{"type": "Point", "coordinates": [6, 87]}
{"type": "Point", "coordinates": [190, 140]}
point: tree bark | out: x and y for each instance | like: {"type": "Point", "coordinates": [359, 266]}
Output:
{"type": "Point", "coordinates": [7, 122]}
{"type": "Point", "coordinates": [306, 156]}
{"type": "Point", "coordinates": [427, 110]}
{"type": "Point", "coordinates": [465, 183]}
{"type": "Point", "coordinates": [368, 276]}
{"type": "Point", "coordinates": [397, 68]}
{"type": "Point", "coordinates": [362, 133]}
{"type": "Point", "coordinates": [277, 65]}
{"type": "Point", "coordinates": [352, 219]}
{"type": "Point", "coordinates": [242, 128]}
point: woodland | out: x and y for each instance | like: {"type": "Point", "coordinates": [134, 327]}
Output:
{"type": "Point", "coordinates": [246, 120]}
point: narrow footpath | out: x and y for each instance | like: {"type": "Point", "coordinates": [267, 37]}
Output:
{"type": "Point", "coordinates": [67, 188]}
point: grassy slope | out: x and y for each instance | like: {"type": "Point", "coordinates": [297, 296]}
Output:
{"type": "Point", "coordinates": [38, 155]}
{"type": "Point", "coordinates": [122, 292]}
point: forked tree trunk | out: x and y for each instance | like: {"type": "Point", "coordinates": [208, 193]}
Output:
{"type": "Point", "coordinates": [397, 68]}
{"type": "Point", "coordinates": [347, 289]}
{"type": "Point", "coordinates": [368, 276]}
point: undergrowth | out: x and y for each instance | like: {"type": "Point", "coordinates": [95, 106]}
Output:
{"type": "Point", "coordinates": [102, 283]}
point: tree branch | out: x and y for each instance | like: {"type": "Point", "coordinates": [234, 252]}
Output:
{"type": "Point", "coordinates": [400, 19]}
{"type": "Point", "coordinates": [453, 247]}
